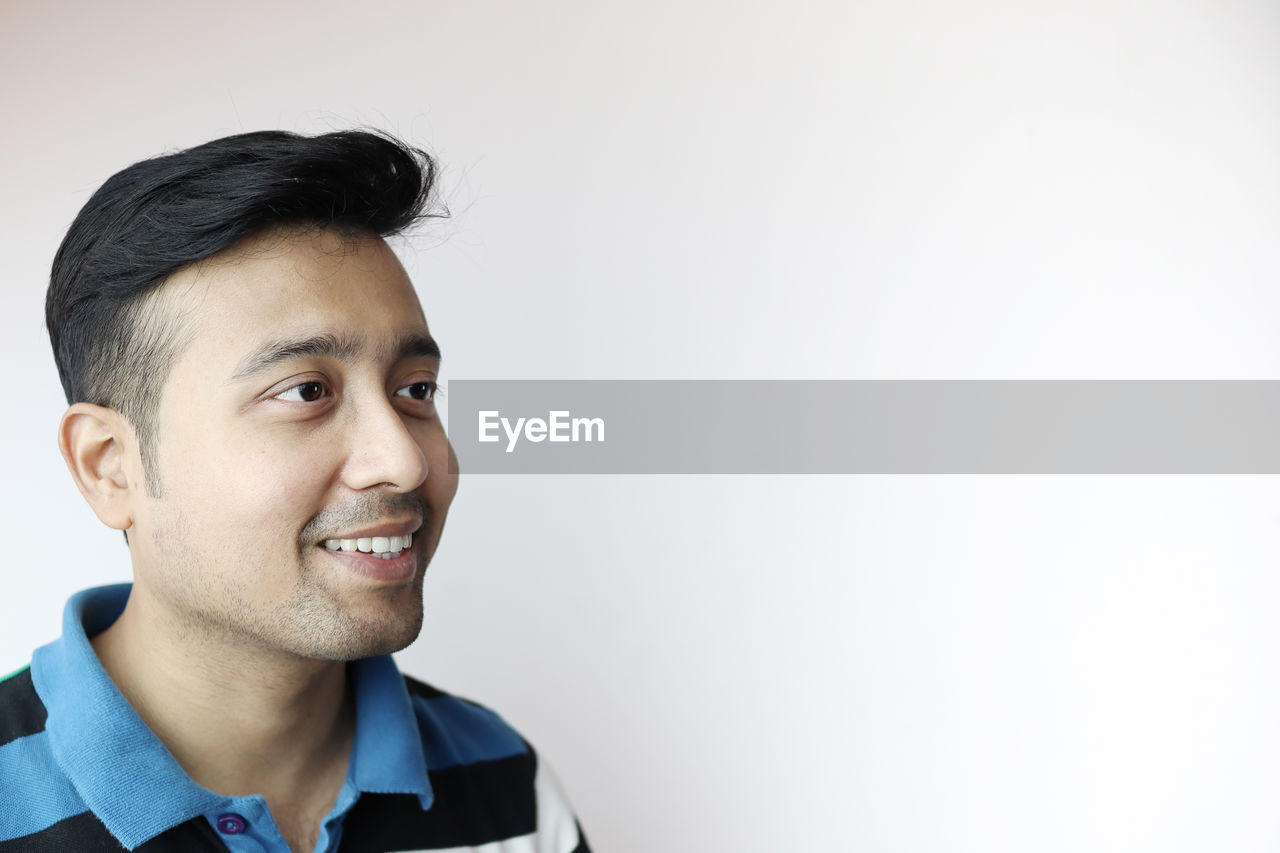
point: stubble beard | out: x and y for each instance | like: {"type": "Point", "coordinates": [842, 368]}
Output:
{"type": "Point", "coordinates": [326, 628]}
{"type": "Point", "coordinates": [317, 619]}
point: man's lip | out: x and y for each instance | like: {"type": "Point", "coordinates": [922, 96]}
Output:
{"type": "Point", "coordinates": [391, 528]}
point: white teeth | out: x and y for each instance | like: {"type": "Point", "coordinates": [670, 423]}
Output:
{"type": "Point", "coordinates": [385, 547]}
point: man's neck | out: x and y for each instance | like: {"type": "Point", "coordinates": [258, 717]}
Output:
{"type": "Point", "coordinates": [239, 722]}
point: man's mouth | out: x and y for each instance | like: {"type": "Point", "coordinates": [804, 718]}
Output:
{"type": "Point", "coordinates": [385, 547]}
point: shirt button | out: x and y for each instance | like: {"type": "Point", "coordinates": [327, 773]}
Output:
{"type": "Point", "coordinates": [231, 823]}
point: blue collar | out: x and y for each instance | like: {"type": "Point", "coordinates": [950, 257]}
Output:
{"type": "Point", "coordinates": [127, 777]}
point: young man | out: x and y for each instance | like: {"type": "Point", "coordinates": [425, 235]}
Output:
{"type": "Point", "coordinates": [251, 381]}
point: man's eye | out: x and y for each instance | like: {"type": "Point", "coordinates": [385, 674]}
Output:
{"type": "Point", "coordinates": [304, 392]}
{"type": "Point", "coordinates": [418, 391]}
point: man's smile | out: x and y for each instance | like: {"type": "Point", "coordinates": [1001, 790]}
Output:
{"type": "Point", "coordinates": [385, 547]}
{"type": "Point", "coordinates": [394, 565]}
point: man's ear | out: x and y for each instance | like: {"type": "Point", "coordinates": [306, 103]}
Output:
{"type": "Point", "coordinates": [94, 441]}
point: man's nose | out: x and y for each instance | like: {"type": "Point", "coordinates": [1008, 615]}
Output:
{"type": "Point", "coordinates": [383, 451]}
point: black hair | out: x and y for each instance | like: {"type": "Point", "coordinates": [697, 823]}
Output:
{"type": "Point", "coordinates": [162, 214]}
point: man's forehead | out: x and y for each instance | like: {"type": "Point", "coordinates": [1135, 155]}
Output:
{"type": "Point", "coordinates": [333, 295]}
{"type": "Point", "coordinates": [279, 242]}
{"type": "Point", "coordinates": [298, 256]}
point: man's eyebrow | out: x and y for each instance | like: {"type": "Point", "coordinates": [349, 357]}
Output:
{"type": "Point", "coordinates": [276, 352]}
{"type": "Point", "coordinates": [414, 344]}
{"type": "Point", "coordinates": [420, 345]}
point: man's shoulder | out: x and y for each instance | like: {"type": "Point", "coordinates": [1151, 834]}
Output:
{"type": "Point", "coordinates": [458, 731]}
{"type": "Point", "coordinates": [29, 775]}
{"type": "Point", "coordinates": [22, 713]}
{"type": "Point", "coordinates": [486, 781]}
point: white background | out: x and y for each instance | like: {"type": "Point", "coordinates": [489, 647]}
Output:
{"type": "Point", "coordinates": [686, 190]}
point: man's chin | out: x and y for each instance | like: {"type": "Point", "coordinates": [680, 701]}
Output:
{"type": "Point", "coordinates": [343, 632]}
{"type": "Point", "coordinates": [363, 640]}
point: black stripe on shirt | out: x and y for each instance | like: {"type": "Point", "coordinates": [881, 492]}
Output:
{"type": "Point", "coordinates": [84, 833]}
{"type": "Point", "coordinates": [474, 804]}
{"type": "Point", "coordinates": [21, 711]}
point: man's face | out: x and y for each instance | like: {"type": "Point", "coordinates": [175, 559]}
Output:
{"type": "Point", "coordinates": [298, 415]}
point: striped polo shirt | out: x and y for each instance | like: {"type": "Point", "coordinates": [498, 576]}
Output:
{"type": "Point", "coordinates": [80, 771]}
